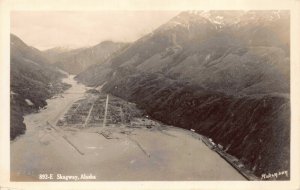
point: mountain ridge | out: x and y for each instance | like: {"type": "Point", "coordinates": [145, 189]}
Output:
{"type": "Point", "coordinates": [77, 60]}
{"type": "Point", "coordinates": [33, 80]}
{"type": "Point", "coordinates": [225, 74]}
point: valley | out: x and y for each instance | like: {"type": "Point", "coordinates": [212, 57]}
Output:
{"type": "Point", "coordinates": [128, 146]}
{"type": "Point", "coordinates": [204, 96]}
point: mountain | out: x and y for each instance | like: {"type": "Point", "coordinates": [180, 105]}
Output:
{"type": "Point", "coordinates": [224, 74]}
{"type": "Point", "coordinates": [57, 53]}
{"type": "Point", "coordinates": [33, 80]}
{"type": "Point", "coordinates": [96, 74]}
{"type": "Point", "coordinates": [77, 60]}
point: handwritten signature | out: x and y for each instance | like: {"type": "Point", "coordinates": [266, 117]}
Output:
{"type": "Point", "coordinates": [274, 175]}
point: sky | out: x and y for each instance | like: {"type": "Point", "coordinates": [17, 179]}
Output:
{"type": "Point", "coordinates": [74, 29]}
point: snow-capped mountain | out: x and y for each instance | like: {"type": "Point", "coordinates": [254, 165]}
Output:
{"type": "Point", "coordinates": [223, 73]}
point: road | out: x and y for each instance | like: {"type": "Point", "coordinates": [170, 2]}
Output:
{"type": "Point", "coordinates": [111, 153]}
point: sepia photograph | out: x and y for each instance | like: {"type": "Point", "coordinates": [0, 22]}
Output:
{"type": "Point", "coordinates": [150, 95]}
{"type": "Point", "coordinates": [203, 91]}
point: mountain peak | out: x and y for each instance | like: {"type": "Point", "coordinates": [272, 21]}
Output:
{"type": "Point", "coordinates": [59, 49]}
{"type": "Point", "coordinates": [224, 18]}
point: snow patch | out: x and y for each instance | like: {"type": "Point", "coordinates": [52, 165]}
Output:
{"type": "Point", "coordinates": [91, 147]}
{"type": "Point", "coordinates": [175, 23]}
{"type": "Point", "coordinates": [207, 57]}
{"type": "Point", "coordinates": [29, 102]}
{"type": "Point", "coordinates": [30, 61]}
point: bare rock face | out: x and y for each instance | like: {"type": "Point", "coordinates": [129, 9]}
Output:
{"type": "Point", "coordinates": [223, 73]}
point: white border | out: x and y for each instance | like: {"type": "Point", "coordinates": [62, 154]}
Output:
{"type": "Point", "coordinates": [84, 5]}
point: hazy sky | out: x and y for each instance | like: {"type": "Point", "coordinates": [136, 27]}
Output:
{"type": "Point", "coordinates": [47, 29]}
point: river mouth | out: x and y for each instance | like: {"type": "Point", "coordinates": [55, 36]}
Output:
{"type": "Point", "coordinates": [123, 145]}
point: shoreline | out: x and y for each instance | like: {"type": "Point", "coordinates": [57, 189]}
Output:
{"type": "Point", "coordinates": [157, 153]}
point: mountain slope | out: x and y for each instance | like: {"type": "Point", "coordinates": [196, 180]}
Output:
{"type": "Point", "coordinates": [77, 60]}
{"type": "Point", "coordinates": [97, 73]}
{"type": "Point", "coordinates": [58, 53]}
{"type": "Point", "coordinates": [253, 128]}
{"type": "Point", "coordinates": [223, 73]}
{"type": "Point", "coordinates": [193, 45]}
{"type": "Point", "coordinates": [33, 80]}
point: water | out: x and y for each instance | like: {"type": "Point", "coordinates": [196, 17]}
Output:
{"type": "Point", "coordinates": [143, 154]}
